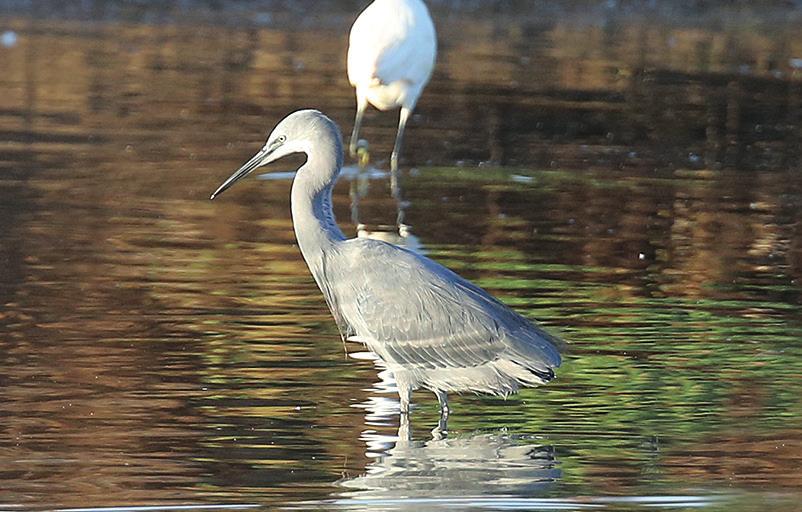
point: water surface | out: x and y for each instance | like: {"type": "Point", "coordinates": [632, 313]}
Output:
{"type": "Point", "coordinates": [630, 181]}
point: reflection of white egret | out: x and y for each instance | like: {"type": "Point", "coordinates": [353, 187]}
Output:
{"type": "Point", "coordinates": [391, 54]}
{"type": "Point", "coordinates": [400, 233]}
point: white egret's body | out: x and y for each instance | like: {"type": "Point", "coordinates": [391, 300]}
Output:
{"type": "Point", "coordinates": [431, 328]}
{"type": "Point", "coordinates": [391, 55]}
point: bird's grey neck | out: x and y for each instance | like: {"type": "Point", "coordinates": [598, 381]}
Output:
{"type": "Point", "coordinates": [312, 215]}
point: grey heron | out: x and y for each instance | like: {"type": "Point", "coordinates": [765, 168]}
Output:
{"type": "Point", "coordinates": [432, 328]}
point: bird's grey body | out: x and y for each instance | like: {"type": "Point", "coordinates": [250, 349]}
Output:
{"type": "Point", "coordinates": [432, 328]}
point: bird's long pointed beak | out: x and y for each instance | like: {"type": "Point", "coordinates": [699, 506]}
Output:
{"type": "Point", "coordinates": [258, 160]}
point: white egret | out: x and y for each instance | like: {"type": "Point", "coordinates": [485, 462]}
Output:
{"type": "Point", "coordinates": [391, 54]}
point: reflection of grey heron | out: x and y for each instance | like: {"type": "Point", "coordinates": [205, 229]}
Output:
{"type": "Point", "coordinates": [391, 54]}
{"type": "Point", "coordinates": [416, 475]}
{"type": "Point", "coordinates": [431, 327]}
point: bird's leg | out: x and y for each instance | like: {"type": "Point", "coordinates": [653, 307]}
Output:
{"type": "Point", "coordinates": [353, 191]}
{"type": "Point", "coordinates": [361, 105]}
{"type": "Point", "coordinates": [442, 399]}
{"type": "Point", "coordinates": [404, 432]}
{"type": "Point", "coordinates": [441, 430]}
{"type": "Point", "coordinates": [405, 405]}
{"type": "Point", "coordinates": [399, 139]}
{"type": "Point", "coordinates": [442, 424]}
{"type": "Point", "coordinates": [400, 205]}
{"type": "Point", "coordinates": [404, 393]}
{"type": "Point", "coordinates": [400, 215]}
{"type": "Point", "coordinates": [395, 187]}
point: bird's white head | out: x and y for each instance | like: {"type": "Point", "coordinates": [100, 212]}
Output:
{"type": "Point", "coordinates": [304, 131]}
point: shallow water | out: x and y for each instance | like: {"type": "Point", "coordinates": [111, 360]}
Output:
{"type": "Point", "coordinates": [630, 181]}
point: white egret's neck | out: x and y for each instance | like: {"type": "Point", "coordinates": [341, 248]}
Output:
{"type": "Point", "coordinates": [312, 215]}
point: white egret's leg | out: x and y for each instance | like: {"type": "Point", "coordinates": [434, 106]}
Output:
{"type": "Point", "coordinates": [353, 191]}
{"type": "Point", "coordinates": [361, 105]}
{"type": "Point", "coordinates": [395, 188]}
{"type": "Point", "coordinates": [400, 215]}
{"type": "Point", "coordinates": [399, 139]}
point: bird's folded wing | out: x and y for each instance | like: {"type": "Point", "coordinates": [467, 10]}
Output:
{"type": "Point", "coordinates": [413, 311]}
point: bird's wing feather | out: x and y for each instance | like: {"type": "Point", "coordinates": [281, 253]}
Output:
{"type": "Point", "coordinates": [389, 47]}
{"type": "Point", "coordinates": [413, 311]}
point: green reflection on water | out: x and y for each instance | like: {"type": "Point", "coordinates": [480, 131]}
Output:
{"type": "Point", "coordinates": [157, 346]}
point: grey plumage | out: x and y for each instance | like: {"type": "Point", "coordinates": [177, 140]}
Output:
{"type": "Point", "coordinates": [432, 328]}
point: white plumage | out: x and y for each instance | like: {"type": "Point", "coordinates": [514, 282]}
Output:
{"type": "Point", "coordinates": [391, 55]}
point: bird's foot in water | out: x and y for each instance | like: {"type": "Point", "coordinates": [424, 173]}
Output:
{"type": "Point", "coordinates": [362, 153]}
{"type": "Point", "coordinates": [441, 430]}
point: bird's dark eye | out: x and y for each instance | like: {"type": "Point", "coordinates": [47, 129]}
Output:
{"type": "Point", "coordinates": [281, 139]}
